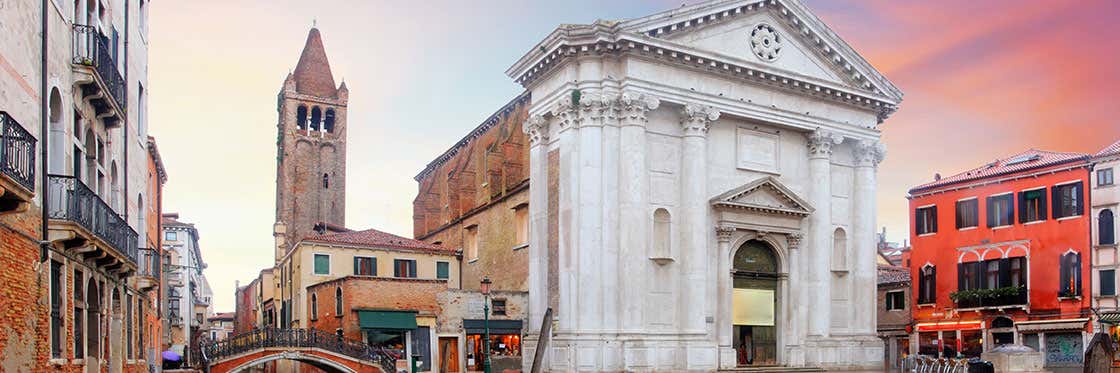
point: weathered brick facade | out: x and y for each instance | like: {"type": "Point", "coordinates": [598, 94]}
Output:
{"type": "Point", "coordinates": [24, 325]}
{"type": "Point", "coordinates": [311, 148]}
{"type": "Point", "coordinates": [371, 293]}
{"type": "Point", "coordinates": [478, 184]}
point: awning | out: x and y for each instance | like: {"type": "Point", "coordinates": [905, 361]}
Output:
{"type": "Point", "coordinates": [1049, 325]}
{"type": "Point", "coordinates": [394, 320]}
{"type": "Point", "coordinates": [496, 326]}
{"type": "Point", "coordinates": [1109, 317]}
{"type": "Point", "coordinates": [949, 325]}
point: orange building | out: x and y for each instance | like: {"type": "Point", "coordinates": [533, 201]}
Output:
{"type": "Point", "coordinates": [999, 256]}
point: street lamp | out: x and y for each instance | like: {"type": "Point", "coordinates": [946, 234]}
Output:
{"type": "Point", "coordinates": [485, 287]}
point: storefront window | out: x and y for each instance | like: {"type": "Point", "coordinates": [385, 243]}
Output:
{"type": "Point", "coordinates": [949, 346]}
{"type": "Point", "coordinates": [1031, 340]}
{"type": "Point", "coordinates": [392, 342]}
{"type": "Point", "coordinates": [972, 343]}
{"type": "Point", "coordinates": [501, 346]}
{"type": "Point", "coordinates": [927, 344]}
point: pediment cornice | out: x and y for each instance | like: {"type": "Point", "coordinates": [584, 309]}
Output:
{"type": "Point", "coordinates": [778, 199]}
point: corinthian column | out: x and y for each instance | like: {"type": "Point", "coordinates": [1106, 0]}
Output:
{"type": "Point", "coordinates": [798, 308]}
{"type": "Point", "coordinates": [567, 118]}
{"type": "Point", "coordinates": [537, 130]}
{"type": "Point", "coordinates": [868, 154]}
{"type": "Point", "coordinates": [694, 208]}
{"type": "Point", "coordinates": [820, 223]}
{"type": "Point", "coordinates": [592, 108]}
{"type": "Point", "coordinates": [723, 330]}
{"type": "Point", "coordinates": [634, 201]}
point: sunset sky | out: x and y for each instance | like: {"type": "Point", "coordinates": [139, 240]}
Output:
{"type": "Point", "coordinates": [982, 80]}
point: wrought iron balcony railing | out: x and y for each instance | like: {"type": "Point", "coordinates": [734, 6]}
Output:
{"type": "Point", "coordinates": [71, 200]}
{"type": "Point", "coordinates": [212, 351]}
{"type": "Point", "coordinates": [92, 49]}
{"type": "Point", "coordinates": [17, 152]}
{"type": "Point", "coordinates": [148, 263]}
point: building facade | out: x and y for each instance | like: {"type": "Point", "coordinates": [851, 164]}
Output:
{"type": "Point", "coordinates": [220, 326]}
{"type": "Point", "coordinates": [893, 319]}
{"type": "Point", "coordinates": [72, 108]}
{"type": "Point", "coordinates": [715, 172]}
{"type": "Point", "coordinates": [188, 292]}
{"type": "Point", "coordinates": [998, 256]}
{"type": "Point", "coordinates": [1105, 197]}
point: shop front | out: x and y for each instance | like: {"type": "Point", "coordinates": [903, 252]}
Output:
{"type": "Point", "coordinates": [950, 339]}
{"type": "Point", "coordinates": [396, 334]}
{"type": "Point", "coordinates": [1061, 341]}
{"type": "Point", "coordinates": [505, 344]}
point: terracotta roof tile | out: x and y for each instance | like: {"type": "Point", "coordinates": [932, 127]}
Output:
{"type": "Point", "coordinates": [313, 72]}
{"type": "Point", "coordinates": [1113, 149]}
{"type": "Point", "coordinates": [1028, 160]}
{"type": "Point", "coordinates": [376, 238]}
{"type": "Point", "coordinates": [893, 275]}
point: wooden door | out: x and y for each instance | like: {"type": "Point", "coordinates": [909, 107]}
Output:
{"type": "Point", "coordinates": [449, 354]}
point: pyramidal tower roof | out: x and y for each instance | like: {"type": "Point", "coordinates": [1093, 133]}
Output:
{"type": "Point", "coordinates": [313, 72]}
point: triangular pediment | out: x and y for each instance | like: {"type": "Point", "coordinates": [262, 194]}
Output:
{"type": "Point", "coordinates": [767, 195]}
{"type": "Point", "coordinates": [782, 35]}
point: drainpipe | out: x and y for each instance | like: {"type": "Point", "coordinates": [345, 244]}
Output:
{"type": "Point", "coordinates": [126, 197]}
{"type": "Point", "coordinates": [44, 96]}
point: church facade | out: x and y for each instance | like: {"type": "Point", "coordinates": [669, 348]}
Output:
{"type": "Point", "coordinates": [703, 191]}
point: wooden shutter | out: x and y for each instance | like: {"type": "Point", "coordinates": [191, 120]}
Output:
{"type": "Point", "coordinates": [1063, 274]}
{"type": "Point", "coordinates": [1077, 275]}
{"type": "Point", "coordinates": [357, 266]}
{"type": "Point", "coordinates": [919, 221]}
{"type": "Point", "coordinates": [1056, 203]}
{"type": "Point", "coordinates": [1022, 207]}
{"type": "Point", "coordinates": [1080, 208]}
{"type": "Point", "coordinates": [1004, 272]}
{"type": "Point", "coordinates": [962, 282]}
{"type": "Point", "coordinates": [373, 266]}
{"type": "Point", "coordinates": [1042, 204]}
{"type": "Point", "coordinates": [990, 212]}
{"type": "Point", "coordinates": [933, 215]}
{"type": "Point", "coordinates": [933, 285]}
{"type": "Point", "coordinates": [960, 209]}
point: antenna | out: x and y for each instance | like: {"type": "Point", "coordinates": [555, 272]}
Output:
{"type": "Point", "coordinates": [314, 23]}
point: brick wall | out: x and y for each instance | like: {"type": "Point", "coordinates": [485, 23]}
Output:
{"type": "Point", "coordinates": [371, 293]}
{"type": "Point", "coordinates": [24, 307]}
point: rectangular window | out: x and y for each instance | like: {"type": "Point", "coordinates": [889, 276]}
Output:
{"type": "Point", "coordinates": [1067, 200]}
{"type": "Point", "coordinates": [991, 274]}
{"type": "Point", "coordinates": [499, 307]}
{"type": "Point", "coordinates": [443, 270]}
{"type": "Point", "coordinates": [927, 285]}
{"type": "Point", "coordinates": [365, 266]}
{"type": "Point", "coordinates": [171, 236]}
{"type": "Point", "coordinates": [925, 220]}
{"type": "Point", "coordinates": [1104, 177]}
{"type": "Point", "coordinates": [1108, 282]}
{"type": "Point", "coordinates": [896, 300]}
{"type": "Point", "coordinates": [79, 308]}
{"type": "Point", "coordinates": [1000, 210]}
{"type": "Point", "coordinates": [322, 264]}
{"type": "Point", "coordinates": [1069, 274]}
{"type": "Point", "coordinates": [470, 242]}
{"type": "Point", "coordinates": [1017, 275]}
{"type": "Point", "coordinates": [1032, 205]}
{"type": "Point", "coordinates": [57, 292]}
{"type": "Point", "coordinates": [968, 213]}
{"type": "Point", "coordinates": [969, 276]}
{"type": "Point", "coordinates": [404, 268]}
{"type": "Point", "coordinates": [521, 222]}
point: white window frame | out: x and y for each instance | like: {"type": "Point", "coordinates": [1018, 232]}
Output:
{"type": "Point", "coordinates": [315, 271]}
{"type": "Point", "coordinates": [416, 265]}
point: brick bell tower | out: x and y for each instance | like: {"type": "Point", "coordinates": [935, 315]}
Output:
{"type": "Point", "coordinates": [310, 148]}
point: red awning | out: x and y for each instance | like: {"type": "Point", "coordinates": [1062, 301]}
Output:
{"type": "Point", "coordinates": [949, 325]}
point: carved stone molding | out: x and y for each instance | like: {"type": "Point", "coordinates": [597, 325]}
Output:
{"type": "Point", "coordinates": [594, 107]}
{"type": "Point", "coordinates": [565, 114]}
{"type": "Point", "coordinates": [869, 153]}
{"type": "Point", "coordinates": [634, 106]}
{"type": "Point", "coordinates": [697, 119]}
{"type": "Point", "coordinates": [794, 240]}
{"type": "Point", "coordinates": [821, 142]}
{"type": "Point", "coordinates": [537, 129]}
{"type": "Point", "coordinates": [723, 234]}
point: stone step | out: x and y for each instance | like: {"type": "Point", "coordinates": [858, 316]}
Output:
{"type": "Point", "coordinates": [776, 369]}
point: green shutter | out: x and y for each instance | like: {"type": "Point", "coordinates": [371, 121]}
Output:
{"type": "Point", "coordinates": [442, 269]}
{"type": "Point", "coordinates": [322, 264]}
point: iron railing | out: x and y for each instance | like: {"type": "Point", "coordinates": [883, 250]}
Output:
{"type": "Point", "coordinates": [149, 263]}
{"type": "Point", "coordinates": [91, 48]}
{"type": "Point", "coordinates": [72, 200]}
{"type": "Point", "coordinates": [17, 152]}
{"type": "Point", "coordinates": [213, 351]}
{"type": "Point", "coordinates": [926, 364]}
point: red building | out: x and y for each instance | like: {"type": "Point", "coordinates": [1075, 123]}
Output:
{"type": "Point", "coordinates": [999, 256]}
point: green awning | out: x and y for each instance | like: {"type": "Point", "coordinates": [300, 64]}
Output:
{"type": "Point", "coordinates": [1109, 317]}
{"type": "Point", "coordinates": [393, 320]}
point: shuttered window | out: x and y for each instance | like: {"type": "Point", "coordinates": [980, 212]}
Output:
{"type": "Point", "coordinates": [968, 213]}
{"type": "Point", "coordinates": [1032, 205]}
{"type": "Point", "coordinates": [925, 220]}
{"type": "Point", "coordinates": [1069, 275]}
{"type": "Point", "coordinates": [322, 264]}
{"type": "Point", "coordinates": [404, 268]}
{"type": "Point", "coordinates": [365, 266]}
{"type": "Point", "coordinates": [1001, 210]}
{"type": "Point", "coordinates": [443, 270]}
{"type": "Point", "coordinates": [1068, 200]}
{"type": "Point", "coordinates": [1108, 282]}
{"type": "Point", "coordinates": [927, 285]}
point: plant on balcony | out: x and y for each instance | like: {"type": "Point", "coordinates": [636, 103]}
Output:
{"type": "Point", "coordinates": [983, 294]}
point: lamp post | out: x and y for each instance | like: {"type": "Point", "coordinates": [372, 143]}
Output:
{"type": "Point", "coordinates": [485, 287]}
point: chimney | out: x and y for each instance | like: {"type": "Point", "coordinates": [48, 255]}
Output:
{"type": "Point", "coordinates": [171, 215]}
{"type": "Point", "coordinates": [936, 176]}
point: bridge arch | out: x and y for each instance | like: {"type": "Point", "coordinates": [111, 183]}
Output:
{"type": "Point", "coordinates": [328, 365]}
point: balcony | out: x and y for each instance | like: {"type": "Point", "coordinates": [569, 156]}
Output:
{"type": "Point", "coordinates": [98, 77]}
{"type": "Point", "coordinates": [84, 223]}
{"type": "Point", "coordinates": [17, 165]}
{"type": "Point", "coordinates": [999, 298]}
{"type": "Point", "coordinates": [148, 269]}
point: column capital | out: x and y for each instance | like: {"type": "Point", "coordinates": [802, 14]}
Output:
{"type": "Point", "coordinates": [537, 129]}
{"type": "Point", "coordinates": [869, 153]}
{"type": "Point", "coordinates": [565, 113]}
{"type": "Point", "coordinates": [723, 234]}
{"type": "Point", "coordinates": [697, 119]}
{"type": "Point", "coordinates": [634, 106]}
{"type": "Point", "coordinates": [821, 142]}
{"type": "Point", "coordinates": [794, 240]}
{"type": "Point", "coordinates": [593, 108]}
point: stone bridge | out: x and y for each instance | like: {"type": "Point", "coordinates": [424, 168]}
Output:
{"type": "Point", "coordinates": [317, 348]}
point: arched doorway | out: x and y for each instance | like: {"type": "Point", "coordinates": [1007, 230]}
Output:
{"type": "Point", "coordinates": [755, 304]}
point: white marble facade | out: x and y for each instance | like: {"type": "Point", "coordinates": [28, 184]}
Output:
{"type": "Point", "coordinates": [677, 138]}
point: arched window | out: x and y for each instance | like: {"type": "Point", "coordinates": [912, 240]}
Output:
{"type": "Point", "coordinates": [326, 181]}
{"type": "Point", "coordinates": [93, 319]}
{"type": "Point", "coordinates": [927, 284]}
{"type": "Point", "coordinates": [1106, 227]}
{"type": "Point", "coordinates": [314, 306]}
{"type": "Point", "coordinates": [839, 250]}
{"type": "Point", "coordinates": [338, 301]}
{"type": "Point", "coordinates": [755, 257]}
{"type": "Point", "coordinates": [142, 221]}
{"type": "Point", "coordinates": [662, 232]}
{"type": "Point", "coordinates": [1070, 275]}
{"type": "Point", "coordinates": [57, 160]}
{"type": "Point", "coordinates": [328, 121]}
{"type": "Point", "coordinates": [301, 117]}
{"type": "Point", "coordinates": [115, 189]}
{"type": "Point", "coordinates": [316, 117]}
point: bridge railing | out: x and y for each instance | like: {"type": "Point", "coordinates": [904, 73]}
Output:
{"type": "Point", "coordinates": [212, 351]}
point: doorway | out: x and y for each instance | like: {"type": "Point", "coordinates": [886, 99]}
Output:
{"type": "Point", "coordinates": [449, 354]}
{"type": "Point", "coordinates": [754, 304]}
